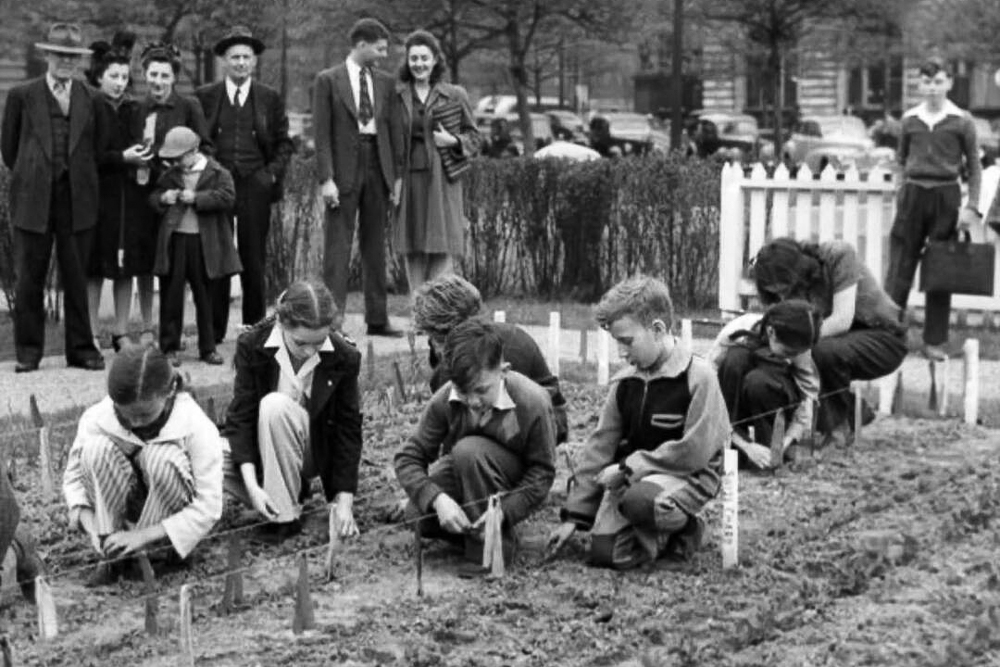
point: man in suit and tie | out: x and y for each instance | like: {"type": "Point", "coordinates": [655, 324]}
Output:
{"type": "Point", "coordinates": [249, 128]}
{"type": "Point", "coordinates": [357, 154]}
{"type": "Point", "coordinates": [50, 139]}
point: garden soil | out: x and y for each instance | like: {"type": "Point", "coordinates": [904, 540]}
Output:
{"type": "Point", "coordinates": [881, 553]}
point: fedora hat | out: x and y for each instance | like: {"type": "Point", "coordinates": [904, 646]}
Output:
{"type": "Point", "coordinates": [179, 140]}
{"type": "Point", "coordinates": [239, 34]}
{"type": "Point", "coordinates": [64, 38]}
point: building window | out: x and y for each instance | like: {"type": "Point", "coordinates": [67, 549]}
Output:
{"type": "Point", "coordinates": [761, 93]}
{"type": "Point", "coordinates": [876, 86]}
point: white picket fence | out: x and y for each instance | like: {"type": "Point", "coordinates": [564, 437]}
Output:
{"type": "Point", "coordinates": [757, 208]}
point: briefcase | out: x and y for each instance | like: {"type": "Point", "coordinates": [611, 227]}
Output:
{"type": "Point", "coordinates": [958, 266]}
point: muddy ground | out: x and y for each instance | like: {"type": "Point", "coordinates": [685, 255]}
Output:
{"type": "Point", "coordinates": [884, 553]}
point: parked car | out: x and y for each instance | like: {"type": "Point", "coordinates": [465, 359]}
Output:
{"type": "Point", "coordinates": [737, 135]}
{"type": "Point", "coordinates": [504, 137]}
{"type": "Point", "coordinates": [988, 140]}
{"type": "Point", "coordinates": [567, 126]}
{"type": "Point", "coordinates": [818, 141]}
{"type": "Point", "coordinates": [567, 150]}
{"type": "Point", "coordinates": [621, 133]}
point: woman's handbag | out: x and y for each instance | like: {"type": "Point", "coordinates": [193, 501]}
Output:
{"type": "Point", "coordinates": [449, 116]}
{"type": "Point", "coordinates": [958, 266]}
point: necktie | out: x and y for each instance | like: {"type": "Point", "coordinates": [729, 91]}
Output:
{"type": "Point", "coordinates": [60, 89]}
{"type": "Point", "coordinates": [365, 111]}
{"type": "Point", "coordinates": [236, 99]}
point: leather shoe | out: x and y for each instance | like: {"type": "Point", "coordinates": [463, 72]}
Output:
{"type": "Point", "coordinates": [25, 366]}
{"type": "Point", "coordinates": [88, 364]}
{"type": "Point", "coordinates": [213, 358]}
{"type": "Point", "coordinates": [385, 330]}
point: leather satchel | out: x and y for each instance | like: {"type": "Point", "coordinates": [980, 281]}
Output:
{"type": "Point", "coordinates": [449, 116]}
{"type": "Point", "coordinates": [958, 266]}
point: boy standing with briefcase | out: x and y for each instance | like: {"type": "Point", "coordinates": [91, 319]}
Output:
{"type": "Point", "coordinates": [938, 139]}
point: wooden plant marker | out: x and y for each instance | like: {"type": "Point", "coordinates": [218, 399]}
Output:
{"type": "Point", "coordinates": [152, 600]}
{"type": "Point", "coordinates": [187, 636]}
{"type": "Point", "coordinates": [210, 409]}
{"type": "Point", "coordinates": [418, 549]}
{"type": "Point", "coordinates": [6, 652]}
{"type": "Point", "coordinates": [859, 404]}
{"type": "Point", "coordinates": [583, 345]}
{"type": "Point", "coordinates": [371, 360]}
{"type": "Point", "coordinates": [897, 394]}
{"type": "Point", "coordinates": [400, 385]}
{"type": "Point", "coordinates": [48, 623]}
{"type": "Point", "coordinates": [887, 392]}
{"type": "Point", "coordinates": [332, 547]}
{"type": "Point", "coordinates": [730, 509]}
{"type": "Point", "coordinates": [45, 466]}
{"type": "Point", "coordinates": [305, 618]}
{"type": "Point", "coordinates": [687, 333]}
{"type": "Point", "coordinates": [232, 596]}
{"type": "Point", "coordinates": [938, 399]}
{"type": "Point", "coordinates": [493, 537]}
{"type": "Point", "coordinates": [603, 357]}
{"type": "Point", "coordinates": [778, 440]}
{"type": "Point", "coordinates": [971, 404]}
{"type": "Point", "coordinates": [555, 331]}
{"type": "Point", "coordinates": [36, 419]}
{"type": "Point", "coordinates": [499, 316]}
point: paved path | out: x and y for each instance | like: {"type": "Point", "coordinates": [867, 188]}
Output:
{"type": "Point", "coordinates": [57, 387]}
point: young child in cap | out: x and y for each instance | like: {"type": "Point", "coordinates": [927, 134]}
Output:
{"type": "Point", "coordinates": [195, 243]}
{"type": "Point", "coordinates": [656, 456]}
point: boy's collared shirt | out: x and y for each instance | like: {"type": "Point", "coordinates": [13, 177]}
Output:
{"type": "Point", "coordinates": [294, 384]}
{"type": "Point", "coordinates": [934, 148]}
{"type": "Point", "coordinates": [932, 118]}
{"type": "Point", "coordinates": [504, 403]}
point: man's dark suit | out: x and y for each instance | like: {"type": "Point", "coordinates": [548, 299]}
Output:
{"type": "Point", "coordinates": [255, 192]}
{"type": "Point", "coordinates": [364, 174]}
{"type": "Point", "coordinates": [45, 206]}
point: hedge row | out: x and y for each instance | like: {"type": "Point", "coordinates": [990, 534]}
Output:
{"type": "Point", "coordinates": [542, 228]}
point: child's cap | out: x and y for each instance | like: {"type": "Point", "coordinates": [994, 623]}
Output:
{"type": "Point", "coordinates": [179, 140]}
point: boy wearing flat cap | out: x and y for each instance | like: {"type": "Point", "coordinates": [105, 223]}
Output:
{"type": "Point", "coordinates": [195, 245]}
{"type": "Point", "coordinates": [249, 128]}
{"type": "Point", "coordinates": [49, 140]}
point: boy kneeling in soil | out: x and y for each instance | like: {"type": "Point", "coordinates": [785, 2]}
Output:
{"type": "Point", "coordinates": [656, 456]}
{"type": "Point", "coordinates": [496, 434]}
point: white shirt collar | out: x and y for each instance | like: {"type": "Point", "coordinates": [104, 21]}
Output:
{"type": "Point", "coordinates": [177, 427]}
{"type": "Point", "coordinates": [930, 118]}
{"type": "Point", "coordinates": [275, 340]}
{"type": "Point", "coordinates": [51, 81]}
{"type": "Point", "coordinates": [231, 89]}
{"type": "Point", "coordinates": [199, 164]}
{"type": "Point", "coordinates": [503, 402]}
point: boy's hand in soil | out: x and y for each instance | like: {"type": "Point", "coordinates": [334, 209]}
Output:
{"type": "Point", "coordinates": [128, 542]}
{"type": "Point", "coordinates": [262, 502]}
{"type": "Point", "coordinates": [759, 455]}
{"type": "Point", "coordinates": [559, 537]}
{"type": "Point", "coordinates": [612, 477]}
{"type": "Point", "coordinates": [451, 517]}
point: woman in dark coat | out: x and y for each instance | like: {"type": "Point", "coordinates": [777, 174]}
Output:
{"type": "Point", "coordinates": [123, 246]}
{"type": "Point", "coordinates": [440, 136]}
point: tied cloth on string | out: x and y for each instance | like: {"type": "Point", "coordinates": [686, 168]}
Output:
{"type": "Point", "coordinates": [493, 537]}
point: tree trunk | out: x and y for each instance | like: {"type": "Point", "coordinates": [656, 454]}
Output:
{"type": "Point", "coordinates": [519, 76]}
{"type": "Point", "coordinates": [776, 74]}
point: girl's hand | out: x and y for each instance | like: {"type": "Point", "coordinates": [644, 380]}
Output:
{"type": "Point", "coordinates": [443, 138]}
{"type": "Point", "coordinates": [124, 543]}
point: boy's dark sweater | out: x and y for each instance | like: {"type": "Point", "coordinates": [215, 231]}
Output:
{"type": "Point", "coordinates": [935, 157]}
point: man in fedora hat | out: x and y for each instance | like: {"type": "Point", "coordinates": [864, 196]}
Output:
{"type": "Point", "coordinates": [49, 140]}
{"type": "Point", "coordinates": [249, 127]}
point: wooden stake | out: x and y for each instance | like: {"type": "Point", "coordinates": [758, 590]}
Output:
{"type": "Point", "coordinates": [943, 393]}
{"type": "Point", "coordinates": [887, 392]}
{"type": "Point", "coordinates": [583, 345]}
{"type": "Point", "coordinates": [43, 462]}
{"type": "Point", "coordinates": [333, 546]}
{"type": "Point", "coordinates": [371, 360]}
{"type": "Point", "coordinates": [971, 352]}
{"type": "Point", "coordinates": [603, 357]}
{"type": "Point", "coordinates": [859, 402]}
{"type": "Point", "coordinates": [7, 652]}
{"type": "Point", "coordinates": [778, 440]}
{"type": "Point", "coordinates": [499, 316]}
{"type": "Point", "coordinates": [187, 636]}
{"type": "Point", "coordinates": [418, 548]}
{"type": "Point", "coordinates": [232, 596]}
{"type": "Point", "coordinates": [400, 385]}
{"type": "Point", "coordinates": [493, 537]}
{"type": "Point", "coordinates": [152, 601]}
{"type": "Point", "coordinates": [210, 409]}
{"type": "Point", "coordinates": [48, 623]}
{"type": "Point", "coordinates": [555, 335]}
{"type": "Point", "coordinates": [305, 618]}
{"type": "Point", "coordinates": [932, 399]}
{"type": "Point", "coordinates": [36, 420]}
{"type": "Point", "coordinates": [730, 509]}
{"type": "Point", "coordinates": [897, 394]}
{"type": "Point", "coordinates": [687, 333]}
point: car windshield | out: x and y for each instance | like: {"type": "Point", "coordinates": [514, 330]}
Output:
{"type": "Point", "coordinates": [627, 121]}
{"type": "Point", "coordinates": [842, 126]}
